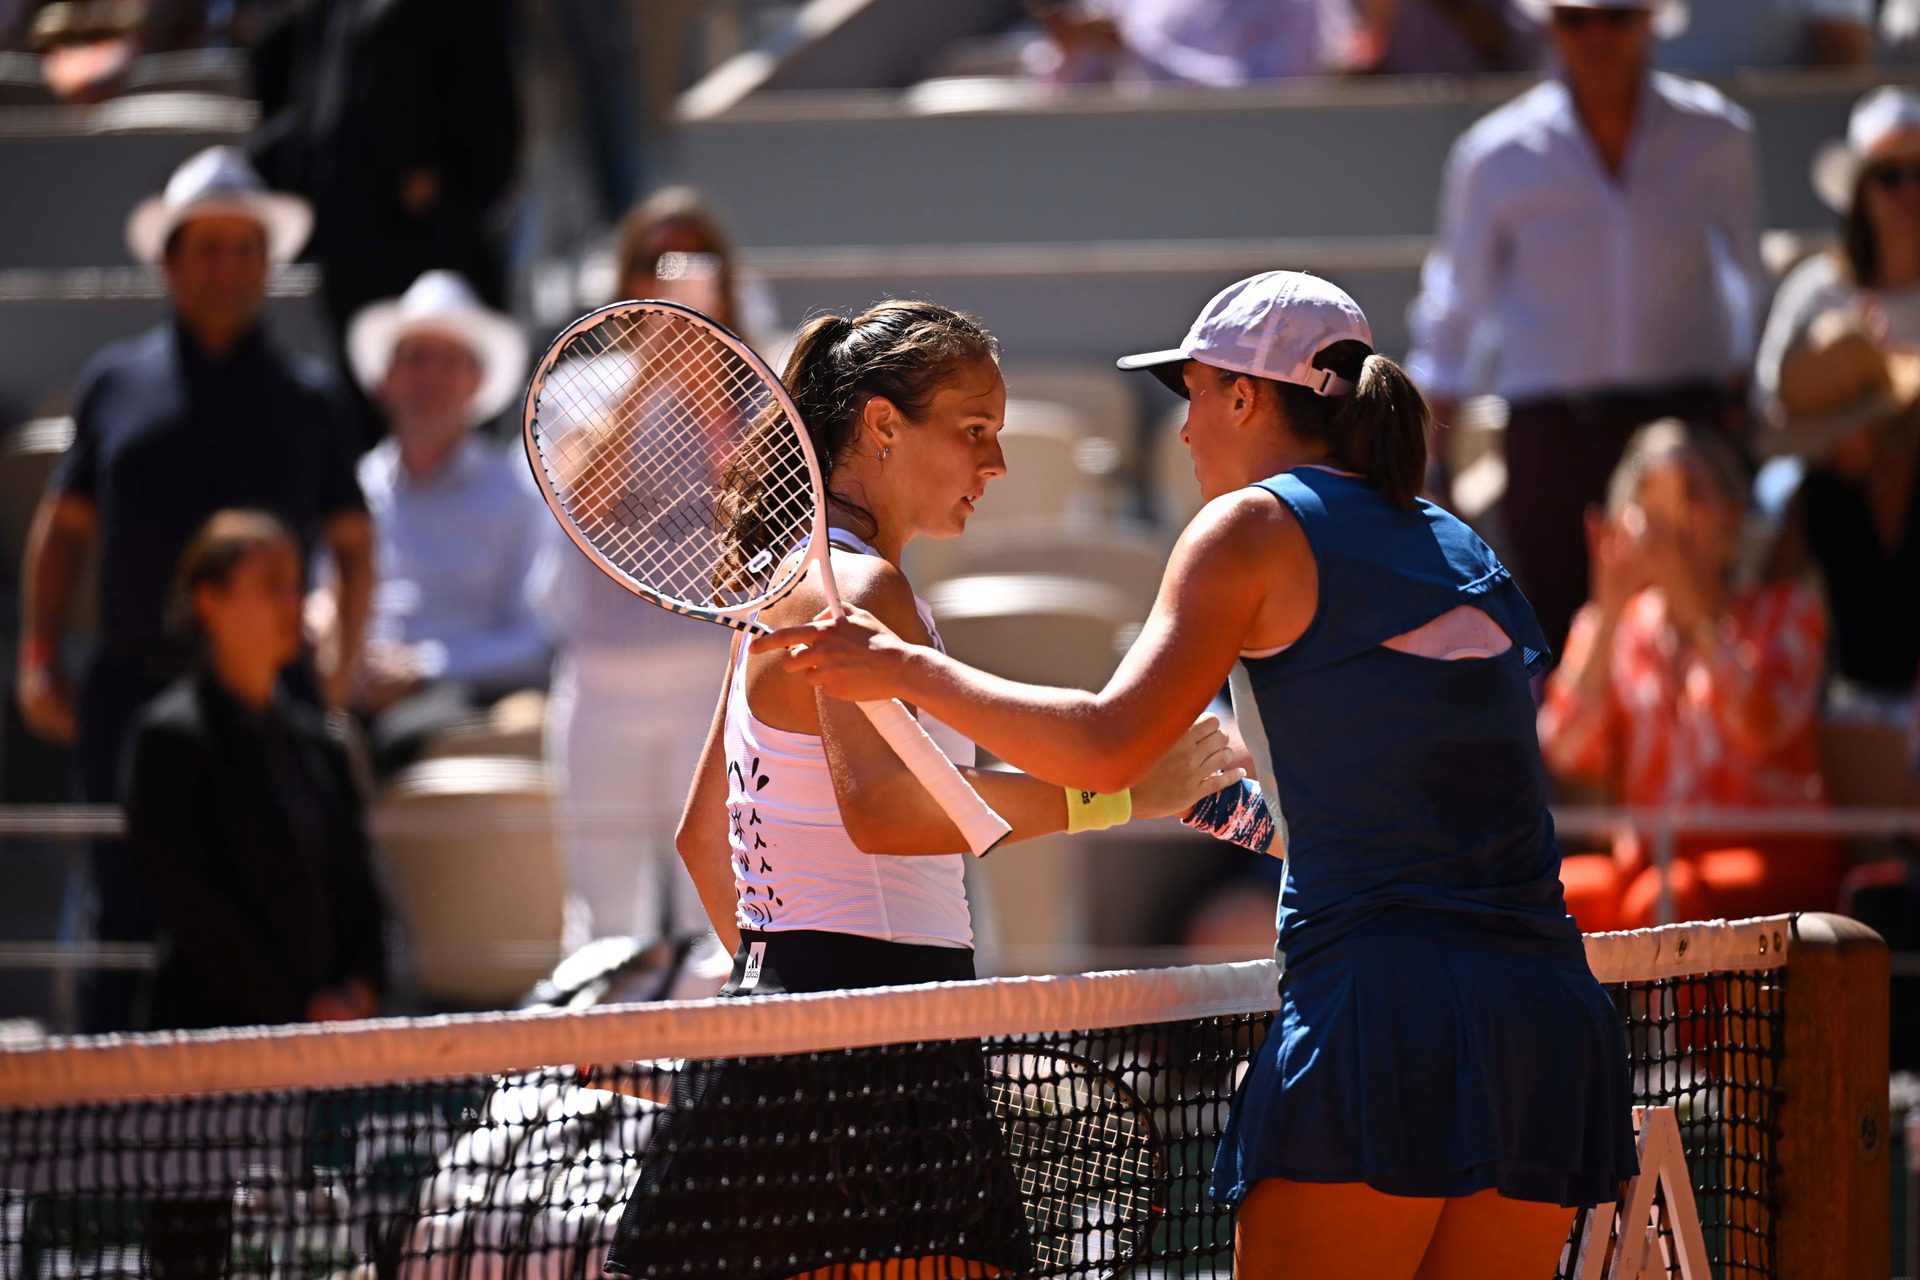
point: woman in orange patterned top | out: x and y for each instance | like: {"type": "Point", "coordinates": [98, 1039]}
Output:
{"type": "Point", "coordinates": [1679, 687]}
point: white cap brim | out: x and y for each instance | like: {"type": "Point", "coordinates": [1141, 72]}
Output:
{"type": "Point", "coordinates": [287, 220]}
{"type": "Point", "coordinates": [496, 342]}
{"type": "Point", "coordinates": [1164, 365]}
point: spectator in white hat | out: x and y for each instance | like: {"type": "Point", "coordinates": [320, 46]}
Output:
{"type": "Point", "coordinates": [198, 414]}
{"type": "Point", "coordinates": [1871, 178]}
{"type": "Point", "coordinates": [1598, 267]}
{"type": "Point", "coordinates": [457, 526]}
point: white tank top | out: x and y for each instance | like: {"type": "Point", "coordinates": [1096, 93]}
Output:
{"type": "Point", "coordinates": [794, 866]}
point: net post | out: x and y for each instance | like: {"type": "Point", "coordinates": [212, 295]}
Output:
{"type": "Point", "coordinates": [1834, 1185]}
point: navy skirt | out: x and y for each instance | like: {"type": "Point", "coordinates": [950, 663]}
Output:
{"type": "Point", "coordinates": [1438, 1064]}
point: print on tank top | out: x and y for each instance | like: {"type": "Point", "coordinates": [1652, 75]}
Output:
{"type": "Point", "coordinates": [750, 846]}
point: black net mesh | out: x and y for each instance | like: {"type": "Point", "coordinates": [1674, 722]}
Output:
{"type": "Point", "coordinates": [1066, 1154]}
{"type": "Point", "coordinates": [1709, 1046]}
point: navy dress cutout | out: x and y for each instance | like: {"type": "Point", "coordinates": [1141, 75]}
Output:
{"type": "Point", "coordinates": [1439, 1031]}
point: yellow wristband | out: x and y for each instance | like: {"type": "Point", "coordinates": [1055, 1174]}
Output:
{"type": "Point", "coordinates": [1092, 811]}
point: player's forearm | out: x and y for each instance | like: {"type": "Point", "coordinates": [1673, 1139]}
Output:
{"type": "Point", "coordinates": [888, 813]}
{"type": "Point", "coordinates": [1069, 737]}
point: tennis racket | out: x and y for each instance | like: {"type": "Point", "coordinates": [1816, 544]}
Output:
{"type": "Point", "coordinates": [676, 460]}
{"type": "Point", "coordinates": [1091, 1162]}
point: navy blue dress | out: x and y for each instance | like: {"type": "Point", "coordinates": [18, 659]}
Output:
{"type": "Point", "coordinates": [1439, 1031]}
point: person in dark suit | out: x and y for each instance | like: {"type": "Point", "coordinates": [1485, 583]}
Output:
{"type": "Point", "coordinates": [242, 812]}
{"type": "Point", "coordinates": [400, 121]}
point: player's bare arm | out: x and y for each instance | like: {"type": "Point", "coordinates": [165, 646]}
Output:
{"type": "Point", "coordinates": [1241, 576]}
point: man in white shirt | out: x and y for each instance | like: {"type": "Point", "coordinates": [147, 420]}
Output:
{"type": "Point", "coordinates": [1597, 266]}
{"type": "Point", "coordinates": [457, 523]}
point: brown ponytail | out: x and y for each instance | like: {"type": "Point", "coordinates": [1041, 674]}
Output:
{"type": "Point", "coordinates": [1380, 431]}
{"type": "Point", "coordinates": [903, 352]}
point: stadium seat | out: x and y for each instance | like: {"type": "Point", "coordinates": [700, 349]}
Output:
{"type": "Point", "coordinates": [1043, 475]}
{"type": "Point", "coordinates": [1176, 493]}
{"type": "Point", "coordinates": [1102, 397]}
{"type": "Point", "coordinates": [513, 727]}
{"type": "Point", "coordinates": [472, 862]}
{"type": "Point", "coordinates": [1038, 628]}
{"type": "Point", "coordinates": [1125, 555]}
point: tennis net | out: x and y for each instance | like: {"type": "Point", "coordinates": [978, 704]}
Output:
{"type": "Point", "coordinates": [1056, 1126]}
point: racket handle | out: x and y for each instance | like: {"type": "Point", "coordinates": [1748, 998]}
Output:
{"type": "Point", "coordinates": [980, 825]}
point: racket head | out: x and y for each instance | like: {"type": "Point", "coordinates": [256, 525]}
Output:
{"type": "Point", "coordinates": [649, 427]}
{"type": "Point", "coordinates": [1090, 1158]}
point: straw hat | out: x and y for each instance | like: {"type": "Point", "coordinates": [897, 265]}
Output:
{"type": "Point", "coordinates": [441, 303]}
{"type": "Point", "coordinates": [219, 180]}
{"type": "Point", "coordinates": [1880, 124]}
{"type": "Point", "coordinates": [1835, 381]}
{"type": "Point", "coordinates": [1670, 17]}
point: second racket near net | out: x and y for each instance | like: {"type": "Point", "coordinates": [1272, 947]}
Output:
{"type": "Point", "coordinates": [646, 424]}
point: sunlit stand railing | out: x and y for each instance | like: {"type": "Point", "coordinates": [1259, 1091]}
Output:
{"type": "Point", "coordinates": [1661, 827]}
{"type": "Point", "coordinates": [66, 959]}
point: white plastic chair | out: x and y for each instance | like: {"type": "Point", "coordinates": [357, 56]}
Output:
{"type": "Point", "coordinates": [1037, 628]}
{"type": "Point", "coordinates": [1125, 555]}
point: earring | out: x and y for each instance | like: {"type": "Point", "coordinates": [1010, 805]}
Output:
{"type": "Point", "coordinates": [885, 449]}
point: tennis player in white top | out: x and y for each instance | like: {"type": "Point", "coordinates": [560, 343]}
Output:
{"type": "Point", "coordinates": [826, 865]}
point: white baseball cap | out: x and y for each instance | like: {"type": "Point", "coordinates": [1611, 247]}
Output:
{"type": "Point", "coordinates": [1267, 326]}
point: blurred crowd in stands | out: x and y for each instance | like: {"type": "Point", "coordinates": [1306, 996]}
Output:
{"type": "Point", "coordinates": [89, 45]}
{"type": "Point", "coordinates": [1224, 43]}
{"type": "Point", "coordinates": [308, 577]}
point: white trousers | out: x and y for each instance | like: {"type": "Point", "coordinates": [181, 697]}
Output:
{"type": "Point", "coordinates": [624, 730]}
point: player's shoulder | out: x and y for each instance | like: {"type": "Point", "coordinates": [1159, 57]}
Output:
{"type": "Point", "coordinates": [880, 587]}
{"type": "Point", "coordinates": [869, 581]}
{"type": "Point", "coordinates": [1243, 527]}
{"type": "Point", "coordinates": [1702, 105]}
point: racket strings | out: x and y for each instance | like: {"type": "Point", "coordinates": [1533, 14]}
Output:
{"type": "Point", "coordinates": [1086, 1161]}
{"type": "Point", "coordinates": [672, 458]}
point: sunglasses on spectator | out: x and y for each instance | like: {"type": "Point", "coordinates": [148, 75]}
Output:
{"type": "Point", "coordinates": [1620, 19]}
{"type": "Point", "coordinates": [1891, 177]}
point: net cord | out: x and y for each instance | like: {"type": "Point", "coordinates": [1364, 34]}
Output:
{"type": "Point", "coordinates": [161, 1064]}
{"type": "Point", "coordinates": [737, 615]}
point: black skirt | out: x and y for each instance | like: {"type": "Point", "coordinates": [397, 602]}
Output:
{"type": "Point", "coordinates": [769, 1167]}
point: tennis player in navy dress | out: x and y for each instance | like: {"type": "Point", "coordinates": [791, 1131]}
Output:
{"type": "Point", "coordinates": [1445, 1081]}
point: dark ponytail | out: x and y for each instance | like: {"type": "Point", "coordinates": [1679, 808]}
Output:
{"type": "Point", "coordinates": [1380, 431]}
{"type": "Point", "coordinates": [903, 352]}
